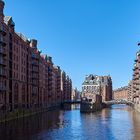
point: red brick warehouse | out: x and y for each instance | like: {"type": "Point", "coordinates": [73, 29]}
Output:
{"type": "Point", "coordinates": [28, 79]}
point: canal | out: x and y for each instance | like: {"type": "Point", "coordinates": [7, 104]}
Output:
{"type": "Point", "coordinates": [119, 122]}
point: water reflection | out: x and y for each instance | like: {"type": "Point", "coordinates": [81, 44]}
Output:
{"type": "Point", "coordinates": [117, 123]}
{"type": "Point", "coordinates": [135, 117]}
{"type": "Point", "coordinates": [29, 128]}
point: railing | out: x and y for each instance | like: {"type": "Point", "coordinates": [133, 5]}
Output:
{"type": "Point", "coordinates": [118, 102]}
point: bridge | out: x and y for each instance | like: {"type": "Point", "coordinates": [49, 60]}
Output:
{"type": "Point", "coordinates": [112, 102]}
{"type": "Point", "coordinates": [72, 101]}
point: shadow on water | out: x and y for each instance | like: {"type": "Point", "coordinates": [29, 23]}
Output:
{"type": "Point", "coordinates": [27, 128]}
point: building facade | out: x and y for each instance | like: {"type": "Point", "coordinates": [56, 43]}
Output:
{"type": "Point", "coordinates": [75, 94]}
{"type": "Point", "coordinates": [130, 91]}
{"type": "Point", "coordinates": [134, 85]}
{"type": "Point", "coordinates": [121, 93]}
{"type": "Point", "coordinates": [100, 85]}
{"type": "Point", "coordinates": [66, 87]}
{"type": "Point", "coordinates": [95, 91]}
{"type": "Point", "coordinates": [28, 79]}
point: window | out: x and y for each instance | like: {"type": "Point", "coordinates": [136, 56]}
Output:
{"type": "Point", "coordinates": [16, 93]}
{"type": "Point", "coordinates": [23, 94]}
{"type": "Point", "coordinates": [90, 100]}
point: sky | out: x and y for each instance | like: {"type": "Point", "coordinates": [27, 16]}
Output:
{"type": "Point", "coordinates": [83, 36]}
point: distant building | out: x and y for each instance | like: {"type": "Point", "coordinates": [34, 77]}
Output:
{"type": "Point", "coordinates": [101, 85]}
{"type": "Point", "coordinates": [66, 87]}
{"type": "Point", "coordinates": [75, 94]}
{"type": "Point", "coordinates": [95, 90]}
{"type": "Point", "coordinates": [134, 86]}
{"type": "Point", "coordinates": [121, 93]}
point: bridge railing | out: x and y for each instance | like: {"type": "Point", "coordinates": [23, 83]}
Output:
{"type": "Point", "coordinates": [119, 102]}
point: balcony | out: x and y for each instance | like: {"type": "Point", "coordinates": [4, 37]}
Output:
{"type": "Point", "coordinates": [2, 41]}
{"type": "Point", "coordinates": [135, 78]}
{"type": "Point", "coordinates": [50, 74]}
{"type": "Point", "coordinates": [2, 51]}
{"type": "Point", "coordinates": [34, 94]}
{"type": "Point", "coordinates": [36, 70]}
{"type": "Point", "coordinates": [35, 82]}
{"type": "Point", "coordinates": [35, 76]}
{"type": "Point", "coordinates": [137, 83]}
{"type": "Point", "coordinates": [2, 73]}
{"type": "Point", "coordinates": [35, 63]}
{"type": "Point", "coordinates": [135, 95]}
{"type": "Point", "coordinates": [2, 62]}
{"type": "Point", "coordinates": [137, 72]}
{"type": "Point", "coordinates": [2, 31]}
{"type": "Point", "coordinates": [2, 87]}
{"type": "Point", "coordinates": [137, 88]}
{"type": "Point", "coordinates": [34, 56]}
{"type": "Point", "coordinates": [134, 87]}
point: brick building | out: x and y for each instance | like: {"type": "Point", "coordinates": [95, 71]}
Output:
{"type": "Point", "coordinates": [130, 91]}
{"type": "Point", "coordinates": [134, 86]}
{"type": "Point", "coordinates": [121, 93]}
{"type": "Point", "coordinates": [66, 86]}
{"type": "Point", "coordinates": [101, 85]}
{"type": "Point", "coordinates": [28, 79]}
{"type": "Point", "coordinates": [75, 94]}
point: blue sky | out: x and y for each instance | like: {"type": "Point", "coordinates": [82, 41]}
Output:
{"type": "Point", "coordinates": [83, 36]}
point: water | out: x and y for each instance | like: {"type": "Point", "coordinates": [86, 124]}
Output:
{"type": "Point", "coordinates": [117, 123]}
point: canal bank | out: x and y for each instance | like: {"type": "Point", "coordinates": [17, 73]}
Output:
{"type": "Point", "coordinates": [25, 112]}
{"type": "Point", "coordinates": [116, 123]}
